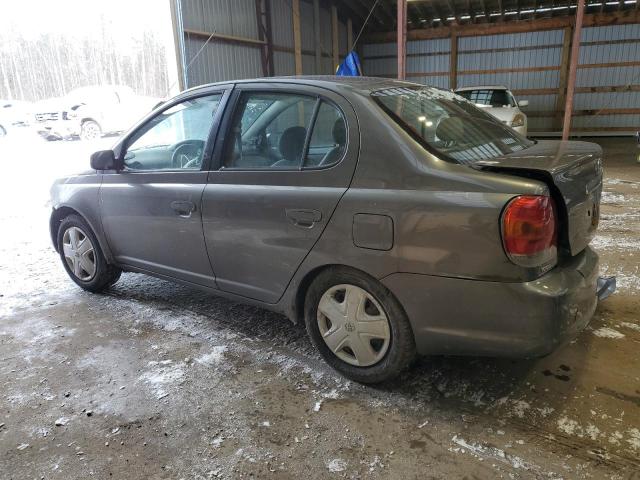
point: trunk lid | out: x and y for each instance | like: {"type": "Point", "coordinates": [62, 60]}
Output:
{"type": "Point", "coordinates": [573, 172]}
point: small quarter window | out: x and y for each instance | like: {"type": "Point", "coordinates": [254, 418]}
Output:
{"type": "Point", "coordinates": [328, 138]}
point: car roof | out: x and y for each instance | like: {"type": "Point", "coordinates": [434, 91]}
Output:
{"type": "Point", "coordinates": [358, 84]}
{"type": "Point", "coordinates": [482, 87]}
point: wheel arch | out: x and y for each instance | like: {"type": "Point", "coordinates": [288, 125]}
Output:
{"type": "Point", "coordinates": [89, 119]}
{"type": "Point", "coordinates": [56, 218]}
{"type": "Point", "coordinates": [63, 211]}
{"type": "Point", "coordinates": [295, 308]}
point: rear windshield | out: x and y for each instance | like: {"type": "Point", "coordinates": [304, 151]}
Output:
{"type": "Point", "coordinates": [490, 98]}
{"type": "Point", "coordinates": [449, 125]}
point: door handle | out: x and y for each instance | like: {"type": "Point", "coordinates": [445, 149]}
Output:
{"type": "Point", "coordinates": [183, 208]}
{"type": "Point", "coordinates": [303, 218]}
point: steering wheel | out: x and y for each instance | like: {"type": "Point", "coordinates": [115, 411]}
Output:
{"type": "Point", "coordinates": [187, 154]}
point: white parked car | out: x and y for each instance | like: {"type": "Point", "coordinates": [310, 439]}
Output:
{"type": "Point", "coordinates": [499, 102]}
{"type": "Point", "coordinates": [90, 112]}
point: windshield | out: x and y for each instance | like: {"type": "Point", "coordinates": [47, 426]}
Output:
{"type": "Point", "coordinates": [490, 98]}
{"type": "Point", "coordinates": [449, 125]}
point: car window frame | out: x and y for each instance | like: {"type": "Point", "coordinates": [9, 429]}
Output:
{"type": "Point", "coordinates": [217, 163]}
{"type": "Point", "coordinates": [225, 92]}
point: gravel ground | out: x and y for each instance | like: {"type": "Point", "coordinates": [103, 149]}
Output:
{"type": "Point", "coordinates": [153, 380]}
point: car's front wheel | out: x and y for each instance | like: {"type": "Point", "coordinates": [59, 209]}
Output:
{"type": "Point", "coordinates": [358, 326]}
{"type": "Point", "coordinates": [82, 257]}
{"type": "Point", "coordinates": [90, 130]}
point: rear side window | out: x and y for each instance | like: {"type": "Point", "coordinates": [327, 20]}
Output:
{"type": "Point", "coordinates": [284, 131]}
{"type": "Point", "coordinates": [457, 130]}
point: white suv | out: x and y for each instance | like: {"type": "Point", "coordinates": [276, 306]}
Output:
{"type": "Point", "coordinates": [499, 102]}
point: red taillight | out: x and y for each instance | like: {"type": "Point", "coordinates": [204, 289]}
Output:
{"type": "Point", "coordinates": [529, 230]}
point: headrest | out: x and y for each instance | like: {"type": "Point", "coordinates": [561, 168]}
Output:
{"type": "Point", "coordinates": [450, 129]}
{"type": "Point", "coordinates": [339, 132]}
{"type": "Point", "coordinates": [292, 143]}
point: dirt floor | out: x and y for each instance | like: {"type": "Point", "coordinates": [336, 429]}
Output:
{"type": "Point", "coordinates": [154, 380]}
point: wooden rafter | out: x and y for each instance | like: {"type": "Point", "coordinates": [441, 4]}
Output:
{"type": "Point", "coordinates": [440, 14]}
{"type": "Point", "coordinates": [629, 16]}
{"type": "Point", "coordinates": [377, 14]}
{"type": "Point", "coordinates": [387, 8]}
{"type": "Point", "coordinates": [470, 12]}
{"type": "Point", "coordinates": [485, 10]}
{"type": "Point", "coordinates": [453, 10]}
{"type": "Point", "coordinates": [413, 15]}
{"type": "Point", "coordinates": [424, 12]}
{"type": "Point", "coordinates": [353, 10]}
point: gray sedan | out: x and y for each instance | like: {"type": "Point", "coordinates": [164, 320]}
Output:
{"type": "Point", "coordinates": [392, 218]}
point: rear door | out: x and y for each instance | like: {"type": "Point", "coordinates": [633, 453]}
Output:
{"type": "Point", "coordinates": [151, 210]}
{"type": "Point", "coordinates": [287, 156]}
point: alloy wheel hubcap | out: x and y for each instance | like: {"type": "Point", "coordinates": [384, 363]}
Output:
{"type": "Point", "coordinates": [79, 253]}
{"type": "Point", "coordinates": [353, 325]}
{"type": "Point", "coordinates": [90, 131]}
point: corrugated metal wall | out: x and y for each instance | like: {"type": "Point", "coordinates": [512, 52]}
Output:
{"type": "Point", "coordinates": [221, 61]}
{"type": "Point", "coordinates": [530, 61]}
{"type": "Point", "coordinates": [597, 48]}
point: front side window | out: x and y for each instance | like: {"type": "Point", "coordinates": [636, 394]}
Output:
{"type": "Point", "coordinates": [174, 139]}
{"type": "Point", "coordinates": [453, 127]}
{"type": "Point", "coordinates": [284, 131]}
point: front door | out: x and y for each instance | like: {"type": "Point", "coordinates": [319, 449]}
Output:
{"type": "Point", "coordinates": [287, 158]}
{"type": "Point", "coordinates": [151, 210]}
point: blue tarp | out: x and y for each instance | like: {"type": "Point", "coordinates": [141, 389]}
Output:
{"type": "Point", "coordinates": [351, 66]}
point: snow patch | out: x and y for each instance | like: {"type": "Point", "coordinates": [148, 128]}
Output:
{"type": "Point", "coordinates": [485, 451]}
{"type": "Point", "coordinates": [606, 332]}
{"type": "Point", "coordinates": [520, 407]}
{"type": "Point", "coordinates": [612, 198]}
{"type": "Point", "coordinates": [632, 326]}
{"type": "Point", "coordinates": [336, 465]}
{"type": "Point", "coordinates": [161, 376]}
{"type": "Point", "coordinates": [213, 357]}
{"type": "Point", "coordinates": [568, 426]}
{"type": "Point", "coordinates": [634, 438]}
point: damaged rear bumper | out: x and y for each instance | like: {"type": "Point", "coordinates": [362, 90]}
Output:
{"type": "Point", "coordinates": [472, 317]}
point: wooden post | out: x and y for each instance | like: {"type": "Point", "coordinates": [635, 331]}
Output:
{"type": "Point", "coordinates": [453, 62]}
{"type": "Point", "coordinates": [335, 38]}
{"type": "Point", "coordinates": [349, 34]}
{"type": "Point", "coordinates": [402, 39]}
{"type": "Point", "coordinates": [297, 39]}
{"type": "Point", "coordinates": [564, 72]}
{"type": "Point", "coordinates": [179, 50]}
{"type": "Point", "coordinates": [316, 36]}
{"type": "Point", "coordinates": [263, 17]}
{"type": "Point", "coordinates": [573, 67]}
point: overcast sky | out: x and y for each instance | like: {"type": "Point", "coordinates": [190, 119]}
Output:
{"type": "Point", "coordinates": [79, 17]}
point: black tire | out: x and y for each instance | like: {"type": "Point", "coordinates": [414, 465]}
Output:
{"type": "Point", "coordinates": [90, 130]}
{"type": "Point", "coordinates": [401, 351]}
{"type": "Point", "coordinates": [105, 274]}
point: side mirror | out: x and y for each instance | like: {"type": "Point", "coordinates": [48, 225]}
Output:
{"type": "Point", "coordinates": [523, 103]}
{"type": "Point", "coordinates": [104, 160]}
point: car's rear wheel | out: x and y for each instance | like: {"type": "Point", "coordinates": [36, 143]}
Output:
{"type": "Point", "coordinates": [358, 326]}
{"type": "Point", "coordinates": [90, 130]}
{"type": "Point", "coordinates": [82, 257]}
